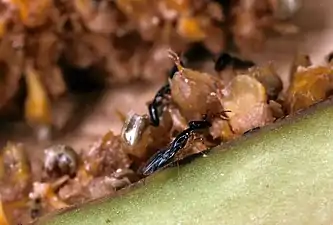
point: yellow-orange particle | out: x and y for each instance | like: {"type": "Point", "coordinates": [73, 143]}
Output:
{"type": "Point", "coordinates": [189, 28]}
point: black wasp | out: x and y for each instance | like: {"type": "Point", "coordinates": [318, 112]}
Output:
{"type": "Point", "coordinates": [155, 107]}
{"type": "Point", "coordinates": [226, 59]}
{"type": "Point", "coordinates": [165, 156]}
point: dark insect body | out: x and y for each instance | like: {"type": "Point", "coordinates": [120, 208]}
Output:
{"type": "Point", "coordinates": [174, 69]}
{"type": "Point", "coordinates": [242, 64]}
{"type": "Point", "coordinates": [165, 156]}
{"type": "Point", "coordinates": [154, 114]}
{"type": "Point", "coordinates": [158, 161]}
{"type": "Point", "coordinates": [225, 60]}
{"type": "Point", "coordinates": [194, 125]}
{"type": "Point", "coordinates": [162, 92]}
{"type": "Point", "coordinates": [172, 72]}
{"type": "Point", "coordinates": [154, 108]}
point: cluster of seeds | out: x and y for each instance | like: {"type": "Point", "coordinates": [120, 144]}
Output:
{"type": "Point", "coordinates": [192, 112]}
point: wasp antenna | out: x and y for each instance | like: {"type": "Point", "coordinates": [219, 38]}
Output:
{"type": "Point", "coordinates": [173, 55]}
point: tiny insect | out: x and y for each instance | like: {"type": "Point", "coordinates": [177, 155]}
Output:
{"type": "Point", "coordinates": [159, 160]}
{"type": "Point", "coordinates": [242, 64]}
{"type": "Point", "coordinates": [164, 156]}
{"type": "Point", "coordinates": [154, 108]}
{"type": "Point", "coordinates": [61, 160]}
{"type": "Point", "coordinates": [225, 60]}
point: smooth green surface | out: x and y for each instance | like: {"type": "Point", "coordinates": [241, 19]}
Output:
{"type": "Point", "coordinates": [282, 176]}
